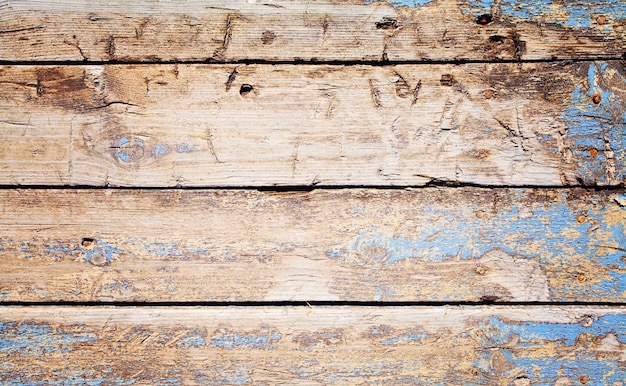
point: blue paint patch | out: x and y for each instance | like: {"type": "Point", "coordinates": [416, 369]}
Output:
{"type": "Point", "coordinates": [164, 249]}
{"type": "Point", "coordinates": [263, 339]}
{"type": "Point", "coordinates": [403, 3]}
{"type": "Point", "coordinates": [185, 148]}
{"type": "Point", "coordinates": [122, 286]}
{"type": "Point", "coordinates": [24, 249]}
{"type": "Point", "coordinates": [594, 128]}
{"type": "Point", "coordinates": [160, 150]}
{"type": "Point", "coordinates": [194, 338]}
{"type": "Point", "coordinates": [36, 339]}
{"type": "Point", "coordinates": [102, 248]}
{"type": "Point", "coordinates": [537, 233]}
{"type": "Point", "coordinates": [239, 376]}
{"type": "Point", "coordinates": [532, 335]}
{"type": "Point", "coordinates": [409, 336]}
{"type": "Point", "coordinates": [120, 153]}
{"type": "Point", "coordinates": [574, 13]}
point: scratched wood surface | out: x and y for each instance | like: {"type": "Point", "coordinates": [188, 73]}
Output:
{"type": "Point", "coordinates": [422, 30]}
{"type": "Point", "coordinates": [513, 109]}
{"type": "Point", "coordinates": [433, 244]}
{"type": "Point", "coordinates": [315, 345]}
{"type": "Point", "coordinates": [261, 125]}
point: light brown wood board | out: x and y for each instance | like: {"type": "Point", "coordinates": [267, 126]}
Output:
{"type": "Point", "coordinates": [314, 345]}
{"type": "Point", "coordinates": [429, 244]}
{"type": "Point", "coordinates": [219, 31]}
{"type": "Point", "coordinates": [533, 124]}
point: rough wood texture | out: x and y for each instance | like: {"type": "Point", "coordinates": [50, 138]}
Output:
{"type": "Point", "coordinates": [259, 125]}
{"type": "Point", "coordinates": [314, 346]}
{"type": "Point", "coordinates": [431, 244]}
{"type": "Point", "coordinates": [442, 30]}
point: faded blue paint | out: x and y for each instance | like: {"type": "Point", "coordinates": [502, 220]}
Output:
{"type": "Point", "coordinates": [185, 148]}
{"type": "Point", "coordinates": [574, 14]}
{"type": "Point", "coordinates": [24, 248]}
{"type": "Point", "coordinates": [596, 127]}
{"type": "Point", "coordinates": [263, 339]}
{"type": "Point", "coordinates": [240, 375]}
{"type": "Point", "coordinates": [409, 336]}
{"type": "Point", "coordinates": [35, 339]}
{"type": "Point", "coordinates": [120, 153]}
{"type": "Point", "coordinates": [101, 247]}
{"type": "Point", "coordinates": [402, 3]}
{"type": "Point", "coordinates": [196, 337]}
{"type": "Point", "coordinates": [164, 249]}
{"type": "Point", "coordinates": [160, 150]}
{"type": "Point", "coordinates": [122, 286]}
{"type": "Point", "coordinates": [537, 233]}
{"type": "Point", "coordinates": [536, 335]}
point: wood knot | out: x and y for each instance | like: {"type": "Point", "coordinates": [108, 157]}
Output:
{"type": "Point", "coordinates": [268, 37]}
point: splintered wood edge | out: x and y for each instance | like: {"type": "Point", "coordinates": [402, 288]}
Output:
{"type": "Point", "coordinates": [430, 244]}
{"type": "Point", "coordinates": [536, 124]}
{"type": "Point", "coordinates": [314, 345]}
{"type": "Point", "coordinates": [442, 30]}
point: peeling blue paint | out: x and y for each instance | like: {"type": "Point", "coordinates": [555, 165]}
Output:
{"type": "Point", "coordinates": [122, 286]}
{"type": "Point", "coordinates": [194, 338]}
{"type": "Point", "coordinates": [530, 335]}
{"type": "Point", "coordinates": [593, 128]}
{"type": "Point", "coordinates": [120, 153]}
{"type": "Point", "coordinates": [573, 13]}
{"type": "Point", "coordinates": [263, 339]}
{"type": "Point", "coordinates": [403, 3]}
{"type": "Point", "coordinates": [409, 336]}
{"type": "Point", "coordinates": [185, 148]}
{"type": "Point", "coordinates": [536, 233]}
{"type": "Point", "coordinates": [160, 150]}
{"type": "Point", "coordinates": [35, 339]}
{"type": "Point", "coordinates": [238, 376]}
{"type": "Point", "coordinates": [102, 248]}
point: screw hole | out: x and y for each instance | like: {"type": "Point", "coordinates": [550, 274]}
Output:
{"type": "Point", "coordinates": [484, 19]}
{"type": "Point", "coordinates": [245, 89]}
{"type": "Point", "coordinates": [87, 242]}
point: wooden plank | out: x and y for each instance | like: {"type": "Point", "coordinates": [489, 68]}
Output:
{"type": "Point", "coordinates": [229, 30]}
{"type": "Point", "coordinates": [431, 244]}
{"type": "Point", "coordinates": [259, 125]}
{"type": "Point", "coordinates": [314, 345]}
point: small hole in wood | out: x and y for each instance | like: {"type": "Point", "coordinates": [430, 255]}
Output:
{"type": "Point", "coordinates": [87, 242]}
{"type": "Point", "coordinates": [245, 89]}
{"type": "Point", "coordinates": [387, 23]}
{"type": "Point", "coordinates": [497, 38]}
{"type": "Point", "coordinates": [596, 98]}
{"type": "Point", "coordinates": [484, 19]}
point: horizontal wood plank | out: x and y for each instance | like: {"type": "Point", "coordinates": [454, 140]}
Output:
{"type": "Point", "coordinates": [441, 30]}
{"type": "Point", "coordinates": [314, 345]}
{"type": "Point", "coordinates": [430, 244]}
{"type": "Point", "coordinates": [258, 125]}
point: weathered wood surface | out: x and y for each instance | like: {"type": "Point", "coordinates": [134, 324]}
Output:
{"type": "Point", "coordinates": [430, 244]}
{"type": "Point", "coordinates": [259, 125]}
{"type": "Point", "coordinates": [314, 346]}
{"type": "Point", "coordinates": [422, 30]}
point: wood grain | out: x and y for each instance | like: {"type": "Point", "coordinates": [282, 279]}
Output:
{"type": "Point", "coordinates": [262, 125]}
{"type": "Point", "coordinates": [430, 244]}
{"type": "Point", "coordinates": [314, 345]}
{"type": "Point", "coordinates": [441, 30]}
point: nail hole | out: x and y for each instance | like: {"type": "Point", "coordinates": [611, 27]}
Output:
{"type": "Point", "coordinates": [596, 98]}
{"type": "Point", "coordinates": [584, 379]}
{"type": "Point", "coordinates": [387, 23]}
{"type": "Point", "coordinates": [497, 38]}
{"type": "Point", "coordinates": [446, 80]}
{"type": "Point", "coordinates": [87, 242]}
{"type": "Point", "coordinates": [484, 19]}
{"type": "Point", "coordinates": [245, 89]}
